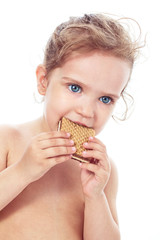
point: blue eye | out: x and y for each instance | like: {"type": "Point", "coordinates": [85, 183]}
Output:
{"type": "Point", "coordinates": [74, 88]}
{"type": "Point", "coordinates": [105, 99]}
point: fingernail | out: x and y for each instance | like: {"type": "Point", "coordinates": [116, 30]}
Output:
{"type": "Point", "coordinates": [71, 142]}
{"type": "Point", "coordinates": [84, 153]}
{"type": "Point", "coordinates": [86, 144]}
{"type": "Point", "coordinates": [73, 149]}
{"type": "Point", "coordinates": [90, 138]}
{"type": "Point", "coordinates": [68, 134]}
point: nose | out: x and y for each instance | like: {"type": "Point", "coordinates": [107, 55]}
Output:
{"type": "Point", "coordinates": [85, 109]}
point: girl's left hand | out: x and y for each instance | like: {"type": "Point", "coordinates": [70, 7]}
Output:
{"type": "Point", "coordinates": [94, 177]}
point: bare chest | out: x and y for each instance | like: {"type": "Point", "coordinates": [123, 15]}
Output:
{"type": "Point", "coordinates": [50, 208]}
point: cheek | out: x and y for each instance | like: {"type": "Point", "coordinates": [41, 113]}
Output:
{"type": "Point", "coordinates": [58, 105]}
{"type": "Point", "coordinates": [102, 119]}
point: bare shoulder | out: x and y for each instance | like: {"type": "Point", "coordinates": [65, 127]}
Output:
{"type": "Point", "coordinates": [7, 134]}
{"type": "Point", "coordinates": [13, 140]}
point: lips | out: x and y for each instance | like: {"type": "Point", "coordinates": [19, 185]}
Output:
{"type": "Point", "coordinates": [79, 123]}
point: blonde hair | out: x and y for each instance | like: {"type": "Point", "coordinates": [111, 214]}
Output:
{"type": "Point", "coordinates": [87, 33]}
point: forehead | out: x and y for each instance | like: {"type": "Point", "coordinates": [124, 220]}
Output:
{"type": "Point", "coordinates": [98, 70]}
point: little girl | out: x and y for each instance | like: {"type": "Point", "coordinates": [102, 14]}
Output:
{"type": "Point", "coordinates": [44, 193]}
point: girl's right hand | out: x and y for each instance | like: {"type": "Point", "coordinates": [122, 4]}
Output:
{"type": "Point", "coordinates": [45, 151]}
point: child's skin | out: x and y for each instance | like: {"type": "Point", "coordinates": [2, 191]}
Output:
{"type": "Point", "coordinates": [44, 194]}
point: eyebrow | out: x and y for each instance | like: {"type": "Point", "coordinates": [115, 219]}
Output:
{"type": "Point", "coordinates": [84, 85]}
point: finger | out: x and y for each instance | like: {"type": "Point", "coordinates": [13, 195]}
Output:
{"type": "Point", "coordinates": [56, 142]}
{"type": "Point", "coordinates": [60, 159]}
{"type": "Point", "coordinates": [95, 140]}
{"type": "Point", "coordinates": [94, 146]}
{"type": "Point", "coordinates": [58, 151]}
{"type": "Point", "coordinates": [54, 134]}
{"type": "Point", "coordinates": [103, 159]}
{"type": "Point", "coordinates": [90, 167]}
{"type": "Point", "coordinates": [93, 154]}
{"type": "Point", "coordinates": [97, 170]}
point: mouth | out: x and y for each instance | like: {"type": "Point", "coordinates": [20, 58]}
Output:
{"type": "Point", "coordinates": [79, 123]}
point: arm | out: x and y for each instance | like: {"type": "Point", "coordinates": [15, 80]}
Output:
{"type": "Point", "coordinates": [44, 152]}
{"type": "Point", "coordinates": [100, 190]}
{"type": "Point", "coordinates": [11, 183]}
{"type": "Point", "coordinates": [100, 216]}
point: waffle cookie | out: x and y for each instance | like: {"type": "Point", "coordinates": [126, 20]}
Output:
{"type": "Point", "coordinates": [79, 134]}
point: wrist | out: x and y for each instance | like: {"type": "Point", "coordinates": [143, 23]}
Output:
{"type": "Point", "coordinates": [24, 179]}
{"type": "Point", "coordinates": [95, 198]}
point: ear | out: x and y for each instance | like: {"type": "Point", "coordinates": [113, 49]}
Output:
{"type": "Point", "coordinates": [42, 82]}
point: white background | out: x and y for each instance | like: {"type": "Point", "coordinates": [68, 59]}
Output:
{"type": "Point", "coordinates": [25, 27]}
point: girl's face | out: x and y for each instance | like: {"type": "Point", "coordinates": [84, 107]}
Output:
{"type": "Point", "coordinates": [85, 89]}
